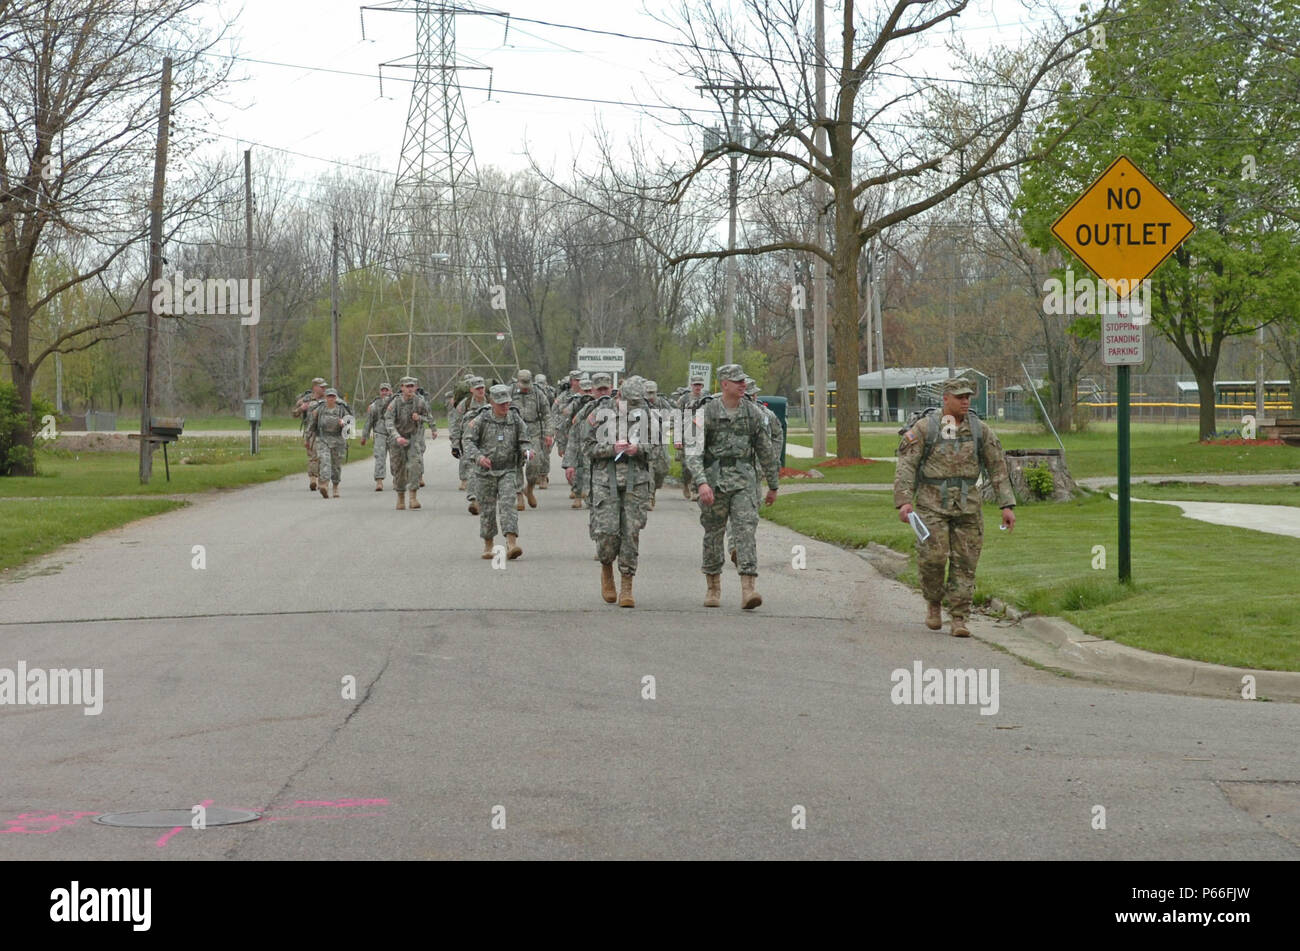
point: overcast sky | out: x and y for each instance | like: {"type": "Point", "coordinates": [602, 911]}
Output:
{"type": "Point", "coordinates": [304, 107]}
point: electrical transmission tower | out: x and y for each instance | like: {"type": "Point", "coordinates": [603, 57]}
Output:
{"type": "Point", "coordinates": [423, 236]}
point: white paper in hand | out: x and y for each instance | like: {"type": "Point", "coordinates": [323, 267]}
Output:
{"type": "Point", "coordinates": [918, 526]}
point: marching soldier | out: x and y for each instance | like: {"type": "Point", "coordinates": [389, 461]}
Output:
{"type": "Point", "coordinates": [622, 485]}
{"type": "Point", "coordinates": [773, 426]}
{"type": "Point", "coordinates": [732, 435]}
{"type": "Point", "coordinates": [306, 403]}
{"type": "Point", "coordinates": [326, 433]}
{"type": "Point", "coordinates": [497, 442]}
{"type": "Point", "coordinates": [548, 399]}
{"type": "Point", "coordinates": [939, 461]}
{"type": "Point", "coordinates": [404, 418]}
{"type": "Point", "coordinates": [531, 404]}
{"type": "Point", "coordinates": [575, 456]}
{"type": "Point", "coordinates": [689, 404]}
{"type": "Point", "coordinates": [655, 445]}
{"type": "Point", "coordinates": [466, 409]}
{"type": "Point", "coordinates": [375, 425]}
{"type": "Point", "coordinates": [432, 427]}
{"type": "Point", "coordinates": [560, 413]}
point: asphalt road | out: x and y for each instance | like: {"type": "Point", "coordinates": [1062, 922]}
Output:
{"type": "Point", "coordinates": [480, 688]}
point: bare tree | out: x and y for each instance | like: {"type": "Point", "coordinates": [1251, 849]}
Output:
{"type": "Point", "coordinates": [79, 88]}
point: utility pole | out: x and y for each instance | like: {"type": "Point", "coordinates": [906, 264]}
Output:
{"type": "Point", "coordinates": [796, 282]}
{"type": "Point", "coordinates": [155, 269]}
{"type": "Point", "coordinates": [819, 263]}
{"type": "Point", "coordinates": [733, 189]}
{"type": "Point", "coordinates": [952, 283]}
{"type": "Point", "coordinates": [1259, 377]}
{"type": "Point", "coordinates": [875, 281]}
{"type": "Point", "coordinates": [334, 306]}
{"type": "Point", "coordinates": [254, 367]}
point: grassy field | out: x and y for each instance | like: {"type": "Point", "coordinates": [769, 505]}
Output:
{"type": "Point", "coordinates": [236, 424]}
{"type": "Point", "coordinates": [1157, 450]}
{"type": "Point", "coordinates": [30, 528]}
{"type": "Point", "coordinates": [197, 465]}
{"type": "Point", "coordinates": [1208, 492]}
{"type": "Point", "coordinates": [1206, 592]}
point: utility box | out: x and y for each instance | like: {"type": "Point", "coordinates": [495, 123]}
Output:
{"type": "Point", "coordinates": [777, 404]}
{"type": "Point", "coordinates": [253, 411]}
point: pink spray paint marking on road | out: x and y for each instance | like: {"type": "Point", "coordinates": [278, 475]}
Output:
{"type": "Point", "coordinates": [54, 821]}
{"type": "Point", "coordinates": [166, 836]}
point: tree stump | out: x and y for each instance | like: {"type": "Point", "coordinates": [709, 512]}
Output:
{"type": "Point", "coordinates": [1064, 486]}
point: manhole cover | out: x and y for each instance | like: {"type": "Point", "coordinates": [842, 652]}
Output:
{"type": "Point", "coordinates": [170, 818]}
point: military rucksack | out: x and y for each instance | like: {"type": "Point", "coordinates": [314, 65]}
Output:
{"type": "Point", "coordinates": [932, 438]}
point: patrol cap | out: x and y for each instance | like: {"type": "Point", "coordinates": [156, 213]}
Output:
{"type": "Point", "coordinates": [500, 394]}
{"type": "Point", "coordinates": [524, 376]}
{"type": "Point", "coordinates": [697, 378]}
{"type": "Point", "coordinates": [585, 382]}
{"type": "Point", "coordinates": [385, 386]}
{"type": "Point", "coordinates": [575, 374]}
{"type": "Point", "coordinates": [601, 378]}
{"type": "Point", "coordinates": [751, 386]}
{"type": "Point", "coordinates": [318, 381]}
{"type": "Point", "coordinates": [332, 392]}
{"type": "Point", "coordinates": [541, 378]}
{"type": "Point", "coordinates": [409, 381]}
{"type": "Point", "coordinates": [959, 385]}
{"type": "Point", "coordinates": [633, 388]}
{"type": "Point", "coordinates": [475, 382]}
{"type": "Point", "coordinates": [651, 388]}
{"type": "Point", "coordinates": [731, 371]}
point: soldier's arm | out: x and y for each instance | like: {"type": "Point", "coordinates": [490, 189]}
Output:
{"type": "Point", "coordinates": [521, 436]}
{"type": "Point", "coordinates": [469, 440]}
{"type": "Point", "coordinates": [370, 420]}
{"type": "Point", "coordinates": [909, 454]}
{"type": "Point", "coordinates": [390, 419]}
{"type": "Point", "coordinates": [313, 422]}
{"type": "Point", "coordinates": [766, 454]}
{"type": "Point", "coordinates": [995, 461]}
{"type": "Point", "coordinates": [544, 416]}
{"type": "Point", "coordinates": [695, 447]}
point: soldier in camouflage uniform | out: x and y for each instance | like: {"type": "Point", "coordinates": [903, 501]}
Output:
{"type": "Point", "coordinates": [302, 409]}
{"type": "Point", "coordinates": [560, 410]}
{"type": "Point", "coordinates": [466, 410]}
{"type": "Point", "coordinates": [530, 401]}
{"type": "Point", "coordinates": [688, 405]}
{"type": "Point", "coordinates": [732, 435]}
{"type": "Point", "coordinates": [942, 478]}
{"type": "Point", "coordinates": [575, 455]}
{"type": "Point", "coordinates": [325, 429]}
{"type": "Point", "coordinates": [548, 398]}
{"type": "Point", "coordinates": [497, 442]}
{"type": "Point", "coordinates": [428, 423]}
{"type": "Point", "coordinates": [375, 425]}
{"type": "Point", "coordinates": [656, 435]}
{"type": "Point", "coordinates": [404, 419]}
{"type": "Point", "coordinates": [622, 485]}
{"type": "Point", "coordinates": [773, 426]}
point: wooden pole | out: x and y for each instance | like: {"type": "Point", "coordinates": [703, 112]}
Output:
{"type": "Point", "coordinates": [155, 269]}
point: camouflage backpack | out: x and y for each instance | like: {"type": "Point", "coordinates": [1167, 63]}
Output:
{"type": "Point", "coordinates": [932, 437]}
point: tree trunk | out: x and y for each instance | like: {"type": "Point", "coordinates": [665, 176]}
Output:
{"type": "Point", "coordinates": [23, 374]}
{"type": "Point", "coordinates": [1204, 373]}
{"type": "Point", "coordinates": [844, 318]}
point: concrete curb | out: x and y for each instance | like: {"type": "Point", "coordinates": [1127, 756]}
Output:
{"type": "Point", "coordinates": [1058, 645]}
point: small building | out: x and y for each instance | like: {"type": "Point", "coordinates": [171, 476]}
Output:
{"type": "Point", "coordinates": [908, 389]}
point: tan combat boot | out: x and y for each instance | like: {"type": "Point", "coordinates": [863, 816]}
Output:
{"type": "Point", "coordinates": [713, 597]}
{"type": "Point", "coordinates": [625, 599]}
{"type": "Point", "coordinates": [607, 583]}
{"type": "Point", "coordinates": [528, 494]}
{"type": "Point", "coordinates": [462, 485]}
{"type": "Point", "coordinates": [324, 490]}
{"type": "Point", "coordinates": [488, 545]}
{"type": "Point", "coordinates": [379, 485]}
{"type": "Point", "coordinates": [401, 500]}
{"type": "Point", "coordinates": [312, 487]}
{"type": "Point", "coordinates": [686, 491]}
{"type": "Point", "coordinates": [933, 616]}
{"type": "Point", "coordinates": [512, 547]}
{"type": "Point", "coordinates": [421, 485]}
{"type": "Point", "coordinates": [733, 558]}
{"type": "Point", "coordinates": [652, 502]}
{"type": "Point", "coordinates": [577, 502]}
{"type": "Point", "coordinates": [519, 501]}
{"type": "Point", "coordinates": [749, 598]}
{"type": "Point", "coordinates": [336, 490]}
{"type": "Point", "coordinates": [572, 494]}
{"type": "Point", "coordinates": [959, 628]}
{"type": "Point", "coordinates": [415, 503]}
{"type": "Point", "coordinates": [473, 506]}
{"type": "Point", "coordinates": [544, 482]}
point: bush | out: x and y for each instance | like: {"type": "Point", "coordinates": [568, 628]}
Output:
{"type": "Point", "coordinates": [12, 423]}
{"type": "Point", "coordinates": [1040, 481]}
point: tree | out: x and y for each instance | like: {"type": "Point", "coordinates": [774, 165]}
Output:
{"type": "Point", "coordinates": [898, 144]}
{"type": "Point", "coordinates": [1212, 115]}
{"type": "Point", "coordinates": [79, 89]}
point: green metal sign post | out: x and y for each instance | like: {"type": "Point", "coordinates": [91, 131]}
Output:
{"type": "Point", "coordinates": [1124, 466]}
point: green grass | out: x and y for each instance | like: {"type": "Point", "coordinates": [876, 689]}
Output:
{"type": "Point", "coordinates": [236, 424]}
{"type": "Point", "coordinates": [196, 466]}
{"type": "Point", "coordinates": [31, 528]}
{"type": "Point", "coordinates": [875, 473]}
{"type": "Point", "coordinates": [1206, 592]}
{"type": "Point", "coordinates": [1157, 450]}
{"type": "Point", "coordinates": [1208, 492]}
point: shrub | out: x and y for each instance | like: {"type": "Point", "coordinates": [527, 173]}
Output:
{"type": "Point", "coordinates": [1040, 481]}
{"type": "Point", "coordinates": [12, 423]}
